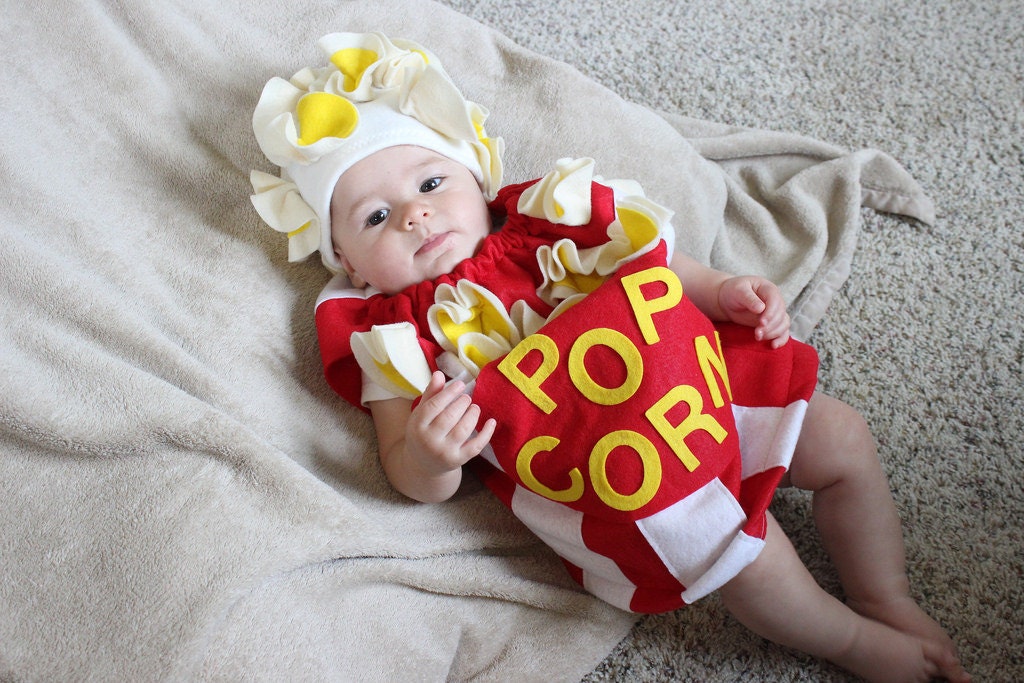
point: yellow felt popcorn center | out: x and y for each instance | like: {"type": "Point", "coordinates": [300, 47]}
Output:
{"type": "Point", "coordinates": [476, 355]}
{"type": "Point", "coordinates": [470, 309]}
{"type": "Point", "coordinates": [353, 62]}
{"type": "Point", "coordinates": [299, 230]}
{"type": "Point", "coordinates": [391, 356]}
{"type": "Point", "coordinates": [577, 278]}
{"type": "Point", "coordinates": [638, 226]}
{"type": "Point", "coordinates": [393, 375]}
{"type": "Point", "coordinates": [325, 115]}
{"type": "Point", "coordinates": [481, 319]}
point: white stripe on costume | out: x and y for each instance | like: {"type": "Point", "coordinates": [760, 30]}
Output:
{"type": "Point", "coordinates": [690, 535]}
{"type": "Point", "coordinates": [560, 527]}
{"type": "Point", "coordinates": [742, 551]}
{"type": "Point", "coordinates": [768, 435]}
{"type": "Point", "coordinates": [615, 593]}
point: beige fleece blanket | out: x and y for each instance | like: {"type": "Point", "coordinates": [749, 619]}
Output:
{"type": "Point", "coordinates": [182, 496]}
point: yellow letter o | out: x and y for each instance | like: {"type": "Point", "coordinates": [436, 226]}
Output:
{"type": "Point", "coordinates": [627, 351]}
{"type": "Point", "coordinates": [599, 470]}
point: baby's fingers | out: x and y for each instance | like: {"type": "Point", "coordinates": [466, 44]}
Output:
{"type": "Point", "coordinates": [744, 298]}
{"type": "Point", "coordinates": [476, 444]}
{"type": "Point", "coordinates": [445, 422]}
{"type": "Point", "coordinates": [464, 434]}
{"type": "Point", "coordinates": [780, 339]}
{"type": "Point", "coordinates": [434, 386]}
{"type": "Point", "coordinates": [448, 423]}
{"type": "Point", "coordinates": [438, 398]}
{"type": "Point", "coordinates": [774, 328]}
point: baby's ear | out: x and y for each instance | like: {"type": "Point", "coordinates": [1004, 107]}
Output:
{"type": "Point", "coordinates": [353, 276]}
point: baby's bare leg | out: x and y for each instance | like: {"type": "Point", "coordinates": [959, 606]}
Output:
{"type": "Point", "coordinates": [777, 598]}
{"type": "Point", "coordinates": [859, 525]}
{"type": "Point", "coordinates": [860, 528]}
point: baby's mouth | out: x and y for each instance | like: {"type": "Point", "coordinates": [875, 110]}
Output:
{"type": "Point", "coordinates": [433, 242]}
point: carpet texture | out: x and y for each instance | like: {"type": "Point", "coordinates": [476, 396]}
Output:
{"type": "Point", "coordinates": [925, 338]}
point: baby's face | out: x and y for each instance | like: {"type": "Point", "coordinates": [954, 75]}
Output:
{"type": "Point", "coordinates": [404, 215]}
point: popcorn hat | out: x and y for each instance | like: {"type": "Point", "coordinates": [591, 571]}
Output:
{"type": "Point", "coordinates": [375, 93]}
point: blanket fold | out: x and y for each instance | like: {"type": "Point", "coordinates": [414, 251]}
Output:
{"type": "Point", "coordinates": [183, 495]}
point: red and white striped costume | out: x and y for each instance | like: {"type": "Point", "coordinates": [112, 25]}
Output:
{"type": "Point", "coordinates": [638, 440]}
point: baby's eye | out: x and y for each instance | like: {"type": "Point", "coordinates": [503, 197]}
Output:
{"type": "Point", "coordinates": [431, 185]}
{"type": "Point", "coordinates": [377, 217]}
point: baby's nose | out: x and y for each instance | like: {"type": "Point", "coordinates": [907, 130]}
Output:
{"type": "Point", "coordinates": [416, 217]}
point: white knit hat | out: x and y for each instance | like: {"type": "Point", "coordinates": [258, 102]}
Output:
{"type": "Point", "coordinates": [376, 93]}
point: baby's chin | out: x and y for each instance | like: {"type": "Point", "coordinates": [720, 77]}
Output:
{"type": "Point", "coordinates": [396, 286]}
{"type": "Point", "coordinates": [441, 260]}
{"type": "Point", "coordinates": [445, 259]}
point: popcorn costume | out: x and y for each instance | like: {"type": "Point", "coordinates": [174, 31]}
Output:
{"type": "Point", "coordinates": [640, 441]}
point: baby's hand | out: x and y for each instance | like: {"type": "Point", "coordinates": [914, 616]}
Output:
{"type": "Point", "coordinates": [756, 302]}
{"type": "Point", "coordinates": [441, 427]}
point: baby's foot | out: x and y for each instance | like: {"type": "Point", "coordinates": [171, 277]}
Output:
{"type": "Point", "coordinates": [906, 616]}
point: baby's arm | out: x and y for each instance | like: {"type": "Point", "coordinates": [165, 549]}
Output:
{"type": "Point", "coordinates": [423, 449]}
{"type": "Point", "coordinates": [747, 300]}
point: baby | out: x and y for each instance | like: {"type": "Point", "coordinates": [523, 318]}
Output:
{"type": "Point", "coordinates": [540, 334]}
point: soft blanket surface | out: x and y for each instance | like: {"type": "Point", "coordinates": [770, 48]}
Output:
{"type": "Point", "coordinates": [182, 495]}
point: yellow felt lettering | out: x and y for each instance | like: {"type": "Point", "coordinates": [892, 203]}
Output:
{"type": "Point", "coordinates": [626, 350]}
{"type": "Point", "coordinates": [696, 420]}
{"type": "Point", "coordinates": [530, 384]}
{"type": "Point", "coordinates": [710, 358]}
{"type": "Point", "coordinates": [644, 309]}
{"type": "Point", "coordinates": [523, 467]}
{"type": "Point", "coordinates": [599, 470]}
